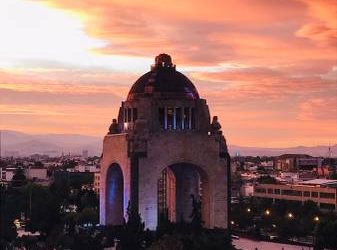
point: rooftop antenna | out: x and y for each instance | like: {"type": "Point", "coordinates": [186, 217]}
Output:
{"type": "Point", "coordinates": [329, 151]}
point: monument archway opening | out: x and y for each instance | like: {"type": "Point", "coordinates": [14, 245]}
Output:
{"type": "Point", "coordinates": [178, 185]}
{"type": "Point", "coordinates": [115, 195]}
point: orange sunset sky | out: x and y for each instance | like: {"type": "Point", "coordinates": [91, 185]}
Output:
{"type": "Point", "coordinates": [267, 68]}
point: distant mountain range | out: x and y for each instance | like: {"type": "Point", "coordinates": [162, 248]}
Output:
{"type": "Point", "coordinates": [21, 144]}
{"type": "Point", "coordinates": [17, 143]}
{"type": "Point", "coordinates": [255, 151]}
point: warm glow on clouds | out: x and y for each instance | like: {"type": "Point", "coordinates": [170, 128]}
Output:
{"type": "Point", "coordinates": [268, 69]}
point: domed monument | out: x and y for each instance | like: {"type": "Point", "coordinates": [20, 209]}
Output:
{"type": "Point", "coordinates": [163, 153]}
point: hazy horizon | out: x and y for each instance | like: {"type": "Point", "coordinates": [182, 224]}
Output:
{"type": "Point", "coordinates": [22, 144]}
{"type": "Point", "coordinates": [102, 136]}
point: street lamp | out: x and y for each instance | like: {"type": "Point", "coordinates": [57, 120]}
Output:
{"type": "Point", "coordinates": [290, 215]}
{"type": "Point", "coordinates": [249, 210]}
{"type": "Point", "coordinates": [267, 212]}
{"type": "Point", "coordinates": [232, 222]}
{"type": "Point", "coordinates": [316, 220]}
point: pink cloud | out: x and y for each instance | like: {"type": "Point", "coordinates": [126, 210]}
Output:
{"type": "Point", "coordinates": [319, 109]}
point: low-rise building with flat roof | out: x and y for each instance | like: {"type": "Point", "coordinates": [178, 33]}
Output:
{"type": "Point", "coordinates": [322, 191]}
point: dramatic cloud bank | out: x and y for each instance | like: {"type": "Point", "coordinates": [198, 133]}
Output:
{"type": "Point", "coordinates": [268, 69]}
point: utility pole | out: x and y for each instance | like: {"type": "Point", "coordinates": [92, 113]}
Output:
{"type": "Point", "coordinates": [0, 144]}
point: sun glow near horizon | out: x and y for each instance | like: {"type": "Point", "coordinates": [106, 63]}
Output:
{"type": "Point", "coordinates": [34, 33]}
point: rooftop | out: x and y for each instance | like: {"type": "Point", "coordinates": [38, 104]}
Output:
{"type": "Point", "coordinates": [319, 182]}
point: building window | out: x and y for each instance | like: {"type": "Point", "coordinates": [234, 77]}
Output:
{"type": "Point", "coordinates": [170, 117]}
{"type": "Point", "coordinates": [327, 195]}
{"type": "Point", "coordinates": [173, 118]}
{"type": "Point", "coordinates": [178, 118]}
{"type": "Point", "coordinates": [270, 191]}
{"type": "Point", "coordinates": [327, 206]}
{"type": "Point", "coordinates": [260, 190]}
{"type": "Point", "coordinates": [162, 118]}
{"type": "Point", "coordinates": [135, 114]}
{"type": "Point", "coordinates": [314, 194]}
{"type": "Point", "coordinates": [129, 115]}
{"type": "Point", "coordinates": [291, 192]}
{"type": "Point", "coordinates": [192, 118]}
{"type": "Point", "coordinates": [306, 194]}
{"type": "Point", "coordinates": [186, 118]}
{"type": "Point", "coordinates": [277, 191]}
{"type": "Point", "coordinates": [125, 115]}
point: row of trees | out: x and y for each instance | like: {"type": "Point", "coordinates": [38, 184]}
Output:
{"type": "Point", "coordinates": [60, 211]}
{"type": "Point", "coordinates": [286, 219]}
{"type": "Point", "coordinates": [51, 210]}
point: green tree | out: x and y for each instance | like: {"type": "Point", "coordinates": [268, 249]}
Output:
{"type": "Point", "coordinates": [38, 164]}
{"type": "Point", "coordinates": [333, 176]}
{"type": "Point", "coordinates": [87, 198]}
{"type": "Point", "coordinates": [242, 214]}
{"type": "Point", "coordinates": [133, 236]}
{"type": "Point", "coordinates": [134, 223]}
{"type": "Point", "coordinates": [326, 235]}
{"type": "Point", "coordinates": [87, 215]}
{"type": "Point", "coordinates": [168, 242]}
{"type": "Point", "coordinates": [19, 178]}
{"type": "Point", "coordinates": [7, 228]}
{"type": "Point", "coordinates": [69, 164]}
{"type": "Point", "coordinates": [266, 179]}
{"type": "Point", "coordinates": [41, 210]}
{"type": "Point", "coordinates": [196, 216]}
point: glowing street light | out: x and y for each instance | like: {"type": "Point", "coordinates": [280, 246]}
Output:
{"type": "Point", "coordinates": [232, 222]}
{"type": "Point", "coordinates": [316, 219]}
{"type": "Point", "coordinates": [267, 212]}
{"type": "Point", "coordinates": [290, 215]}
{"type": "Point", "coordinates": [249, 210]}
{"type": "Point", "coordinates": [17, 223]}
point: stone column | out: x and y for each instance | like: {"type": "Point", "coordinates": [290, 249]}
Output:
{"type": "Point", "coordinates": [147, 198]}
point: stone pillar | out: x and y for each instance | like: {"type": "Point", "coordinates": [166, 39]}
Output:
{"type": "Point", "coordinates": [219, 195]}
{"type": "Point", "coordinates": [147, 199]}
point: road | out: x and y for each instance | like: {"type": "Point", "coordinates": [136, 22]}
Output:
{"type": "Point", "coordinates": [246, 244]}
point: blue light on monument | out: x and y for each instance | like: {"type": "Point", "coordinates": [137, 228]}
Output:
{"type": "Point", "coordinates": [112, 191]}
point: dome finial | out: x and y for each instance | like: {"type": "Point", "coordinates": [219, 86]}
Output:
{"type": "Point", "coordinates": [163, 60]}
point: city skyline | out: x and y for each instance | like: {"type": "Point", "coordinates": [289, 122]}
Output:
{"type": "Point", "coordinates": [267, 69]}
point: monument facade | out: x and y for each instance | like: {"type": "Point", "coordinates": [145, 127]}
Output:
{"type": "Point", "coordinates": [162, 152]}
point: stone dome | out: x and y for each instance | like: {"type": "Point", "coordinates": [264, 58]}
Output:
{"type": "Point", "coordinates": [163, 80]}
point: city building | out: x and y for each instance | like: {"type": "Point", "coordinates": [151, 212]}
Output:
{"type": "Point", "coordinates": [36, 173]}
{"type": "Point", "coordinates": [294, 162]}
{"type": "Point", "coordinates": [295, 177]}
{"type": "Point", "coordinates": [86, 168]}
{"type": "Point", "coordinates": [247, 189]}
{"type": "Point", "coordinates": [7, 173]}
{"type": "Point", "coordinates": [85, 154]}
{"type": "Point", "coordinates": [97, 176]}
{"type": "Point", "coordinates": [162, 153]}
{"type": "Point", "coordinates": [322, 191]}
